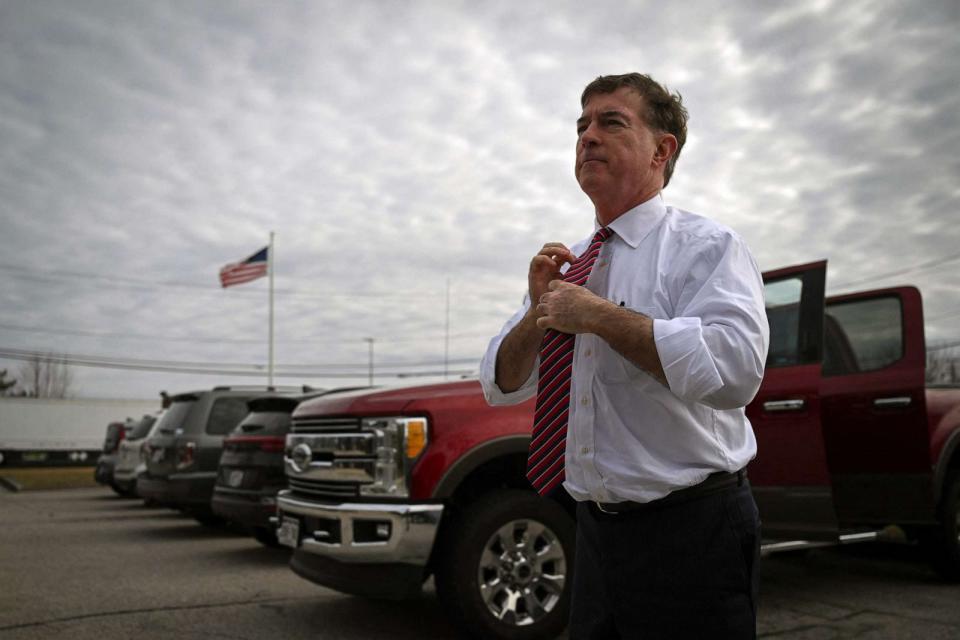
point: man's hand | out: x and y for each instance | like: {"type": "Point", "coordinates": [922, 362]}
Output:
{"type": "Point", "coordinates": [519, 349]}
{"type": "Point", "coordinates": [544, 268]}
{"type": "Point", "coordinates": [569, 308]}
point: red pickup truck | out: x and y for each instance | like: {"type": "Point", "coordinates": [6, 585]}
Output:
{"type": "Point", "coordinates": [389, 487]}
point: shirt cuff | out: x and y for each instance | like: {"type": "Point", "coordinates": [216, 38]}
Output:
{"type": "Point", "coordinates": [685, 358]}
{"type": "Point", "coordinates": [488, 376]}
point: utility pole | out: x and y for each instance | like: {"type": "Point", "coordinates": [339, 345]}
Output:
{"type": "Point", "coordinates": [270, 263]}
{"type": "Point", "coordinates": [446, 336]}
{"type": "Point", "coordinates": [370, 342]}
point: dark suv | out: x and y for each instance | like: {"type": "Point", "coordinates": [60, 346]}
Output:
{"type": "Point", "coordinates": [251, 465]}
{"type": "Point", "coordinates": [182, 456]}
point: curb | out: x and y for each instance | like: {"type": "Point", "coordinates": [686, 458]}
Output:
{"type": "Point", "coordinates": [10, 484]}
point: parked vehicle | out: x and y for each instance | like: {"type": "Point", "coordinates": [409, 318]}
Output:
{"type": "Point", "coordinates": [388, 487]}
{"type": "Point", "coordinates": [129, 464]}
{"type": "Point", "coordinates": [182, 456]}
{"type": "Point", "coordinates": [251, 467]}
{"type": "Point", "coordinates": [59, 431]}
{"type": "Point", "coordinates": [116, 433]}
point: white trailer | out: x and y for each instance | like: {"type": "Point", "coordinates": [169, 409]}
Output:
{"type": "Point", "coordinates": [54, 431]}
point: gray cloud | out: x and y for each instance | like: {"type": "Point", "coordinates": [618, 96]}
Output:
{"type": "Point", "coordinates": [394, 146]}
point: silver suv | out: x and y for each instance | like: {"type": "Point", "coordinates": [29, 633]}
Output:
{"type": "Point", "coordinates": [129, 465]}
{"type": "Point", "coordinates": [181, 457]}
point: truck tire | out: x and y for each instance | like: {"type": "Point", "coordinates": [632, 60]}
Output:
{"type": "Point", "coordinates": [505, 569]}
{"type": "Point", "coordinates": [943, 542]}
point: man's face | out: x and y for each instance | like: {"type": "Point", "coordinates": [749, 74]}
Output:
{"type": "Point", "coordinates": [616, 150]}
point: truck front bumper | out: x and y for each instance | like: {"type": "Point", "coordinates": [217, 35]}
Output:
{"type": "Point", "coordinates": [373, 549]}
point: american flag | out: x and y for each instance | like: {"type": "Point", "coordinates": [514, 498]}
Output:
{"type": "Point", "coordinates": [250, 269]}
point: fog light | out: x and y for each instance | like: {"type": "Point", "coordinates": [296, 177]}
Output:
{"type": "Point", "coordinates": [371, 531]}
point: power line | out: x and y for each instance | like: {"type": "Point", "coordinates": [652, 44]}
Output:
{"type": "Point", "coordinates": [923, 266]}
{"type": "Point", "coordinates": [231, 369]}
{"type": "Point", "coordinates": [221, 365]}
{"type": "Point", "coordinates": [941, 347]}
{"type": "Point", "coordinates": [161, 338]}
{"type": "Point", "coordinates": [123, 282]}
{"type": "Point", "coordinates": [940, 316]}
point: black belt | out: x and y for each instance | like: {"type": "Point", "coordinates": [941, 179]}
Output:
{"type": "Point", "coordinates": [714, 483]}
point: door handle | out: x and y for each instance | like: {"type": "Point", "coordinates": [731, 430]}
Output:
{"type": "Point", "coordinates": [784, 405]}
{"type": "Point", "coordinates": [890, 403]}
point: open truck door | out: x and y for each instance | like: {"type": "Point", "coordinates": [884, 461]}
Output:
{"type": "Point", "coordinates": [790, 477]}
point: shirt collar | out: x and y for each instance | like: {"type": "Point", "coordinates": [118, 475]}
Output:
{"type": "Point", "coordinates": [634, 225]}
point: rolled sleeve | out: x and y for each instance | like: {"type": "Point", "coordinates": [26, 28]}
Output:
{"type": "Point", "coordinates": [713, 352]}
{"type": "Point", "coordinates": [488, 369]}
{"type": "Point", "coordinates": [685, 358]}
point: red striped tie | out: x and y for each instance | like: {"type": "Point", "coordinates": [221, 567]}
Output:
{"type": "Point", "coordinates": [545, 461]}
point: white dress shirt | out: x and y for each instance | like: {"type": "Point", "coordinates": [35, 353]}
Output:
{"type": "Point", "coordinates": [629, 436]}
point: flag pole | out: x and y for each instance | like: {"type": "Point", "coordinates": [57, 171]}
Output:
{"type": "Point", "coordinates": [270, 265]}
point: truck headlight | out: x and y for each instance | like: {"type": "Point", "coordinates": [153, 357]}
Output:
{"type": "Point", "coordinates": [399, 444]}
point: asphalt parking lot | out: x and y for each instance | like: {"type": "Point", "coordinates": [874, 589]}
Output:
{"type": "Point", "coordinates": [83, 564]}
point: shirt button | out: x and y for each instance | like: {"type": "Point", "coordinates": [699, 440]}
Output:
{"type": "Point", "coordinates": [588, 353]}
{"type": "Point", "coordinates": [585, 450]}
{"type": "Point", "coordinates": [584, 400]}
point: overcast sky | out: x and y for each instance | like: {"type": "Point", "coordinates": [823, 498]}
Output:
{"type": "Point", "coordinates": [397, 146]}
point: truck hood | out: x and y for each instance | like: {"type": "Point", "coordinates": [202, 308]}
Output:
{"type": "Point", "coordinates": [384, 401]}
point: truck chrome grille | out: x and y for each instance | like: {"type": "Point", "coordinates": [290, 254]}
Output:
{"type": "Point", "coordinates": [330, 464]}
{"type": "Point", "coordinates": [319, 488]}
{"type": "Point", "coordinates": [321, 425]}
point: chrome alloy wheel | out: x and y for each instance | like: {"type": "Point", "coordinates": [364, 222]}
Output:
{"type": "Point", "coordinates": [522, 572]}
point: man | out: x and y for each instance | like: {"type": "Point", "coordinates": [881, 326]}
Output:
{"type": "Point", "coordinates": [643, 421]}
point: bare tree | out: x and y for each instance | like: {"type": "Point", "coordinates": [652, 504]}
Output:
{"type": "Point", "coordinates": [46, 376]}
{"type": "Point", "coordinates": [943, 366]}
{"type": "Point", "coordinates": [6, 386]}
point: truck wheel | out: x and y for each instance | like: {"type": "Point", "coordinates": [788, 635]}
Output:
{"type": "Point", "coordinates": [943, 542]}
{"type": "Point", "coordinates": [506, 566]}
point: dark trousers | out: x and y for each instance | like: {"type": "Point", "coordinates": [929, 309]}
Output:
{"type": "Point", "coordinates": [687, 570]}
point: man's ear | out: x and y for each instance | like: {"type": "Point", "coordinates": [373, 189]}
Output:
{"type": "Point", "coordinates": [666, 147]}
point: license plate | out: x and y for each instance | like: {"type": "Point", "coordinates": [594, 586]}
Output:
{"type": "Point", "coordinates": [289, 532]}
{"type": "Point", "coordinates": [235, 479]}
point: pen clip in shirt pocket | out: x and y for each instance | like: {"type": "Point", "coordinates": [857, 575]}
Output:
{"type": "Point", "coordinates": [612, 367]}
